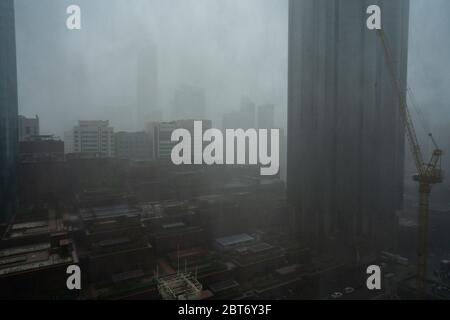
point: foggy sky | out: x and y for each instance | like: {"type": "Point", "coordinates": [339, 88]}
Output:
{"type": "Point", "coordinates": [228, 47]}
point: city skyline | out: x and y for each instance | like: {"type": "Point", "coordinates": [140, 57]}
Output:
{"type": "Point", "coordinates": [224, 150]}
{"type": "Point", "coordinates": [238, 51]}
{"type": "Point", "coordinates": [117, 93]}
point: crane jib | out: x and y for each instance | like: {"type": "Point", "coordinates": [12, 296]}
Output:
{"type": "Point", "coordinates": [428, 174]}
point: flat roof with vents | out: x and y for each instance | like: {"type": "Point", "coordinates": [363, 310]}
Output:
{"type": "Point", "coordinates": [180, 286]}
{"type": "Point", "coordinates": [234, 240]}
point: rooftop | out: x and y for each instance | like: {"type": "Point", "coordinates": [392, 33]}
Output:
{"type": "Point", "coordinates": [46, 224]}
{"type": "Point", "coordinates": [234, 240]}
{"type": "Point", "coordinates": [26, 258]}
{"type": "Point", "coordinates": [180, 286]}
{"type": "Point", "coordinates": [109, 211]}
{"type": "Point", "coordinates": [223, 285]}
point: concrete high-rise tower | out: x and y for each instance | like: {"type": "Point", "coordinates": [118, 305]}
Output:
{"type": "Point", "coordinates": [147, 87]}
{"type": "Point", "coordinates": [345, 131]}
{"type": "Point", "coordinates": [8, 110]}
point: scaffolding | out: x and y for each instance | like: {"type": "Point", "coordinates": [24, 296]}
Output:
{"type": "Point", "coordinates": [179, 286]}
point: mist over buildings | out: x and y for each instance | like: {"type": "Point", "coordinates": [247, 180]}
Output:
{"type": "Point", "coordinates": [227, 48]}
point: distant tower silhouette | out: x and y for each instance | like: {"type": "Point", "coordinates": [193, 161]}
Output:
{"type": "Point", "coordinates": [147, 87]}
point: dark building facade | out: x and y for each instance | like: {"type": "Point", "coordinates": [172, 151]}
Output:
{"type": "Point", "coordinates": [345, 131]}
{"type": "Point", "coordinates": [134, 145]}
{"type": "Point", "coordinates": [41, 148]}
{"type": "Point", "coordinates": [8, 109]}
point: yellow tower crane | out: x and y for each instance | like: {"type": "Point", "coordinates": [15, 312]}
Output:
{"type": "Point", "coordinates": [427, 175]}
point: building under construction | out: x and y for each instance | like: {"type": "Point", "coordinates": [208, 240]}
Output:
{"type": "Point", "coordinates": [179, 286]}
{"type": "Point", "coordinates": [346, 133]}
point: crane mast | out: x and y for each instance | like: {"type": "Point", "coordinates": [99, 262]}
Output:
{"type": "Point", "coordinates": [427, 175]}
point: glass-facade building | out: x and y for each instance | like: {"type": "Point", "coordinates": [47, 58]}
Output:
{"type": "Point", "coordinates": [8, 110]}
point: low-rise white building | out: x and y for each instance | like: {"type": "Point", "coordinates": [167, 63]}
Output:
{"type": "Point", "coordinates": [90, 137]}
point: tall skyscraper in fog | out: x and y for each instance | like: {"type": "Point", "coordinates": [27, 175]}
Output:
{"type": "Point", "coordinates": [345, 131]}
{"type": "Point", "coordinates": [147, 87]}
{"type": "Point", "coordinates": [8, 109]}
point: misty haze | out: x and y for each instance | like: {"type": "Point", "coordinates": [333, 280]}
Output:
{"type": "Point", "coordinates": [228, 48]}
{"type": "Point", "coordinates": [224, 150]}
